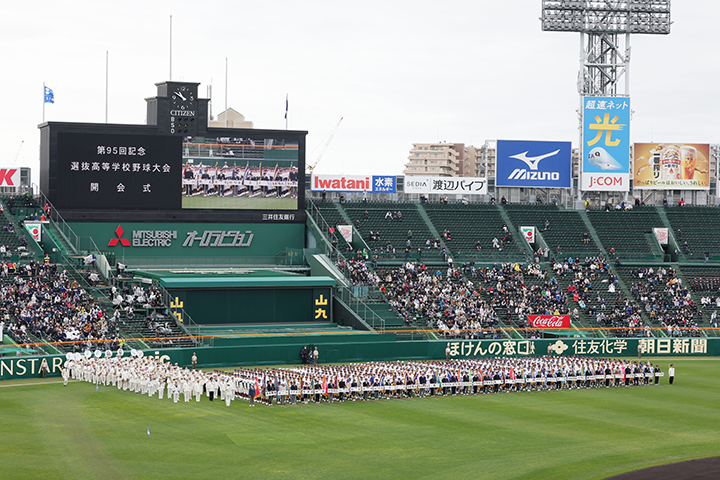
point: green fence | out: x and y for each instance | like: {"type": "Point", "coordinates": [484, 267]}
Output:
{"type": "Point", "coordinates": [284, 350]}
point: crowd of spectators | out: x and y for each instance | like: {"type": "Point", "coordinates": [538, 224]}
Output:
{"type": "Point", "coordinates": [666, 300]}
{"type": "Point", "coordinates": [42, 301]}
{"type": "Point", "coordinates": [130, 296]}
{"type": "Point", "coordinates": [516, 291]}
{"type": "Point", "coordinates": [359, 273]}
{"type": "Point", "coordinates": [445, 301]}
{"type": "Point", "coordinates": [706, 285]}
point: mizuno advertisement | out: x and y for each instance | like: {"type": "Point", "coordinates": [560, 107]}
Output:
{"type": "Point", "coordinates": [522, 163]}
{"type": "Point", "coordinates": [606, 144]}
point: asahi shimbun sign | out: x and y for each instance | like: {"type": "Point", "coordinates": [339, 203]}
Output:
{"type": "Point", "coordinates": [549, 321]}
{"type": "Point", "coordinates": [446, 185]}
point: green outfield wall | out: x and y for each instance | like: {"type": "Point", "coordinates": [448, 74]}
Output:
{"type": "Point", "coordinates": [284, 350]}
{"type": "Point", "coordinates": [167, 240]}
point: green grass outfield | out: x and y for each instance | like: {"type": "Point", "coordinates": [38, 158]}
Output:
{"type": "Point", "coordinates": [51, 431]}
{"type": "Point", "coordinates": [255, 203]}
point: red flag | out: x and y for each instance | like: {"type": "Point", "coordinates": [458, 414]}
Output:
{"type": "Point", "coordinates": [325, 385]}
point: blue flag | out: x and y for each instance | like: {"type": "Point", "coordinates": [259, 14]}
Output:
{"type": "Point", "coordinates": [49, 96]}
{"type": "Point", "coordinates": [148, 432]}
{"type": "Point", "coordinates": [97, 387]}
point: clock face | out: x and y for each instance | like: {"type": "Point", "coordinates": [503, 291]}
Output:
{"type": "Point", "coordinates": [182, 98]}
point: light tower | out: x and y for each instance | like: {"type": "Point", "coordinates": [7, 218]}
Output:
{"type": "Point", "coordinates": [605, 28]}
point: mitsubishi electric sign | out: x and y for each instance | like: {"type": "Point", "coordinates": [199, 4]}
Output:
{"type": "Point", "coordinates": [522, 163]}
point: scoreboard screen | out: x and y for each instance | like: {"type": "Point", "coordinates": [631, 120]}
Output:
{"type": "Point", "coordinates": [99, 173]}
{"type": "Point", "coordinates": [118, 172]}
{"type": "Point", "coordinates": [255, 172]}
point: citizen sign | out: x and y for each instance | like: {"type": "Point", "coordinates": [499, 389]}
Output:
{"type": "Point", "coordinates": [549, 321]}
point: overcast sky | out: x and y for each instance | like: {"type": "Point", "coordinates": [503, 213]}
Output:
{"type": "Point", "coordinates": [398, 72]}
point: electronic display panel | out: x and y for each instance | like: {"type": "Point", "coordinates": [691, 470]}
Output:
{"type": "Point", "coordinates": [249, 172]}
{"type": "Point", "coordinates": [117, 172]}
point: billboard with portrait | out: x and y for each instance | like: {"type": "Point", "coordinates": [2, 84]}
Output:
{"type": "Point", "coordinates": [671, 166]}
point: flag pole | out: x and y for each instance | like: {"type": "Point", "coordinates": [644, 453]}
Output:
{"type": "Point", "coordinates": [226, 89]}
{"type": "Point", "coordinates": [286, 110]}
{"type": "Point", "coordinates": [43, 121]}
{"type": "Point", "coordinates": [170, 47]}
{"type": "Point", "coordinates": [106, 85]}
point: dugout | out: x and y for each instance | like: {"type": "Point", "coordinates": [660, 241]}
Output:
{"type": "Point", "coordinates": [247, 296]}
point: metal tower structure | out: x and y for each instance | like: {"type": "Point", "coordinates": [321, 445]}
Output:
{"type": "Point", "coordinates": [605, 28]}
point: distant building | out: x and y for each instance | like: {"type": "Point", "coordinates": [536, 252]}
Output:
{"type": "Point", "coordinates": [436, 159]}
{"type": "Point", "coordinates": [234, 120]}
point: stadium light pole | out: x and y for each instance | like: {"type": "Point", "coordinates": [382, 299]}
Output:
{"type": "Point", "coordinates": [604, 58]}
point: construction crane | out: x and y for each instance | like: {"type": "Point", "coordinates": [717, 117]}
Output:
{"type": "Point", "coordinates": [322, 152]}
{"type": "Point", "coordinates": [18, 152]}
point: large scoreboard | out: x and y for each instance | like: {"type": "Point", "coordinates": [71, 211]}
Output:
{"type": "Point", "coordinates": [108, 171]}
{"type": "Point", "coordinates": [161, 173]}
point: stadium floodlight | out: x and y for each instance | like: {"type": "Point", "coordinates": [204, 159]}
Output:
{"type": "Point", "coordinates": [605, 27]}
{"type": "Point", "coordinates": [605, 58]}
{"type": "Point", "coordinates": [611, 16]}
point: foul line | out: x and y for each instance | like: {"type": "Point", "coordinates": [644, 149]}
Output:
{"type": "Point", "coordinates": [37, 383]}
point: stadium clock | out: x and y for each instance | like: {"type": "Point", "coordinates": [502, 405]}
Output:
{"type": "Point", "coordinates": [183, 108]}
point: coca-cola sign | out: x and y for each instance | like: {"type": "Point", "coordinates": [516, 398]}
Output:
{"type": "Point", "coordinates": [549, 321]}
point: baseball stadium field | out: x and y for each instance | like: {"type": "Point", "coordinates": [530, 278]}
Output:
{"type": "Point", "coordinates": [76, 432]}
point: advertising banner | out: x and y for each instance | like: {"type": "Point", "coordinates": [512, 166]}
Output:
{"type": "Point", "coordinates": [446, 185]}
{"type": "Point", "coordinates": [529, 234]}
{"type": "Point", "coordinates": [549, 321]}
{"type": "Point", "coordinates": [353, 183]}
{"type": "Point", "coordinates": [606, 144]}
{"type": "Point", "coordinates": [533, 164]}
{"type": "Point", "coordinates": [9, 177]}
{"type": "Point", "coordinates": [672, 166]}
{"type": "Point", "coordinates": [346, 231]}
{"type": "Point", "coordinates": [35, 229]}
{"type": "Point", "coordinates": [180, 240]}
{"type": "Point", "coordinates": [662, 235]}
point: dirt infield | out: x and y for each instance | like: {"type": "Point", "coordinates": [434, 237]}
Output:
{"type": "Point", "coordinates": [703, 468]}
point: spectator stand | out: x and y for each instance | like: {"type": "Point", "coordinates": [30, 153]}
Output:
{"type": "Point", "coordinates": [665, 299]}
{"type": "Point", "coordinates": [325, 218]}
{"type": "Point", "coordinates": [697, 226]}
{"type": "Point", "coordinates": [45, 306]}
{"type": "Point", "coordinates": [628, 232]}
{"type": "Point", "coordinates": [18, 245]}
{"type": "Point", "coordinates": [442, 300]}
{"type": "Point", "coordinates": [703, 282]}
{"type": "Point", "coordinates": [142, 305]}
{"type": "Point", "coordinates": [595, 292]}
{"type": "Point", "coordinates": [391, 223]}
{"type": "Point", "coordinates": [472, 223]}
{"type": "Point", "coordinates": [564, 228]}
{"type": "Point", "coordinates": [515, 291]}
